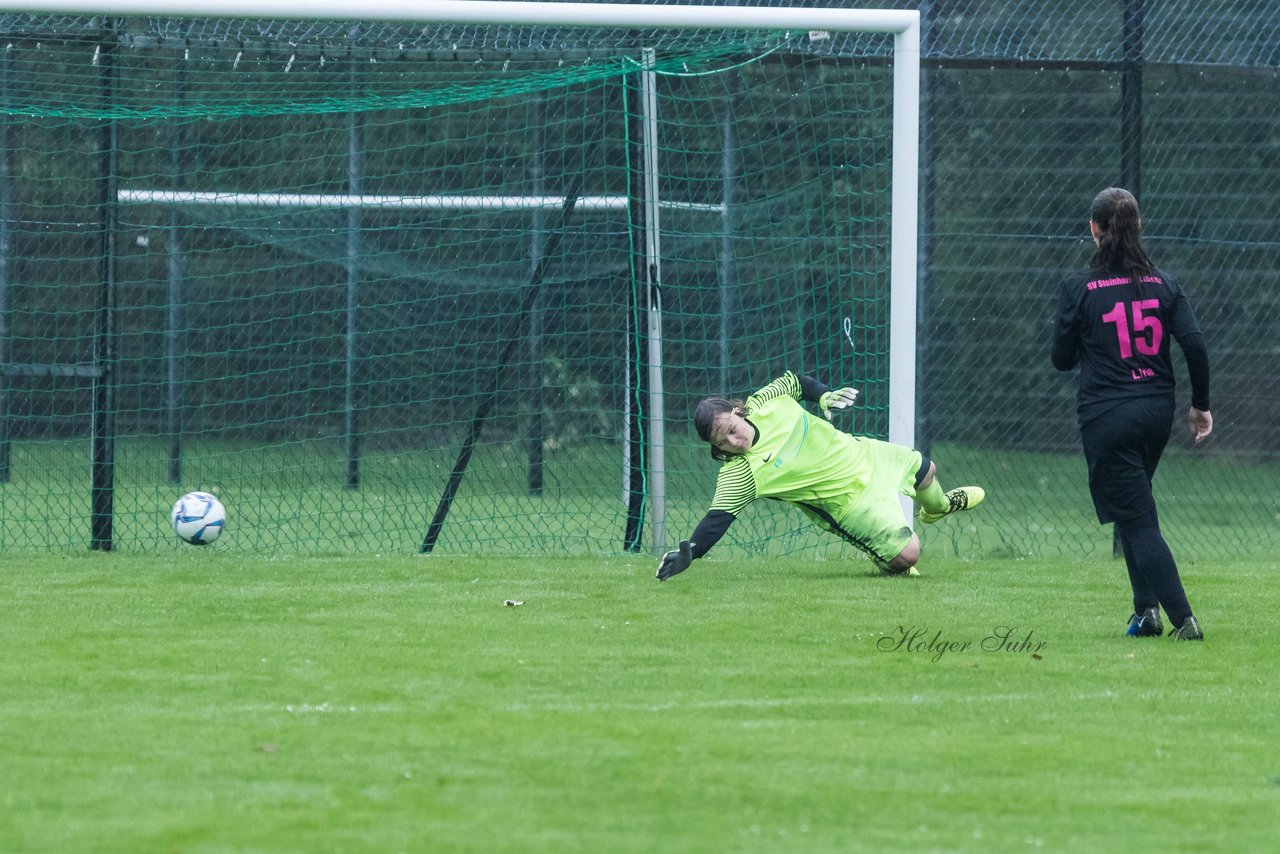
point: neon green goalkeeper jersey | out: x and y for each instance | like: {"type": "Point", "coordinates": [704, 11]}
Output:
{"type": "Point", "coordinates": [797, 457]}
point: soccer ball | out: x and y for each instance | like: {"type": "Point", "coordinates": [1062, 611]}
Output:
{"type": "Point", "coordinates": [198, 518]}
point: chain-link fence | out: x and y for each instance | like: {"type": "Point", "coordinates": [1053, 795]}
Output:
{"type": "Point", "coordinates": [321, 364]}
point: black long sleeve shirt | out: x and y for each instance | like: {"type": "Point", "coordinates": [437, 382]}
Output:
{"type": "Point", "coordinates": [1120, 335]}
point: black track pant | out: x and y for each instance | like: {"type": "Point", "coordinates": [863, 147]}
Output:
{"type": "Point", "coordinates": [1122, 447]}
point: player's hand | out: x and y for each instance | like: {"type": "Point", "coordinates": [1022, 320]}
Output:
{"type": "Point", "coordinates": [841, 398]}
{"type": "Point", "coordinates": [676, 562]}
{"type": "Point", "coordinates": [1201, 423]}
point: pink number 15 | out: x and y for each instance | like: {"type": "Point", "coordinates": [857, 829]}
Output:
{"type": "Point", "coordinates": [1146, 329]}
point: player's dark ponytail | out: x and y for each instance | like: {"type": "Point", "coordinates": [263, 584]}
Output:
{"type": "Point", "coordinates": [1119, 222]}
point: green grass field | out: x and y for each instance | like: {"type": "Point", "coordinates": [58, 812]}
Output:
{"type": "Point", "coordinates": [208, 701]}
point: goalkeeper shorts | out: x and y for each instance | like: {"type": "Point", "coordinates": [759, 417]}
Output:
{"type": "Point", "coordinates": [871, 517]}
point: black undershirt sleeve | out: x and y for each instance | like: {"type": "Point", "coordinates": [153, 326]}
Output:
{"type": "Point", "coordinates": [1197, 356]}
{"type": "Point", "coordinates": [1066, 337]}
{"type": "Point", "coordinates": [810, 389]}
{"type": "Point", "coordinates": [709, 531]}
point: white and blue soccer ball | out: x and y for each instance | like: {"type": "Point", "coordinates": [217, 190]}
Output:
{"type": "Point", "coordinates": [198, 518]}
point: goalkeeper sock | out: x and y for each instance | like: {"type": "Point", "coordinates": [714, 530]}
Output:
{"type": "Point", "coordinates": [932, 499]}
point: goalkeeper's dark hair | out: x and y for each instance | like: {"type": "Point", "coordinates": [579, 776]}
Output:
{"type": "Point", "coordinates": [1115, 211]}
{"type": "Point", "coordinates": [704, 419]}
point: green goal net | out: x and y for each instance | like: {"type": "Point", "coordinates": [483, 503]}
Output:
{"type": "Point", "coordinates": [370, 283]}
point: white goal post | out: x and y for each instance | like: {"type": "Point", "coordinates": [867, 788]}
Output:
{"type": "Point", "coordinates": [904, 25]}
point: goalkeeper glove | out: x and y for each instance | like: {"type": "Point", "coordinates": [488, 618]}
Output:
{"type": "Point", "coordinates": [674, 563]}
{"type": "Point", "coordinates": [841, 398]}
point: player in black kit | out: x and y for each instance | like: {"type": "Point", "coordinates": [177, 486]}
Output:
{"type": "Point", "coordinates": [1115, 320]}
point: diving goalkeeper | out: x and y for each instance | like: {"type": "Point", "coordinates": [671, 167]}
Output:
{"type": "Point", "coordinates": [772, 447]}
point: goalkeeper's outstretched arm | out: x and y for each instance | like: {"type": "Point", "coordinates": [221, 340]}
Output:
{"type": "Point", "coordinates": [707, 534]}
{"type": "Point", "coordinates": [828, 399]}
{"type": "Point", "coordinates": [805, 388]}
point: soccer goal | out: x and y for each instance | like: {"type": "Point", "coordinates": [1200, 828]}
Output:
{"type": "Point", "coordinates": [450, 276]}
